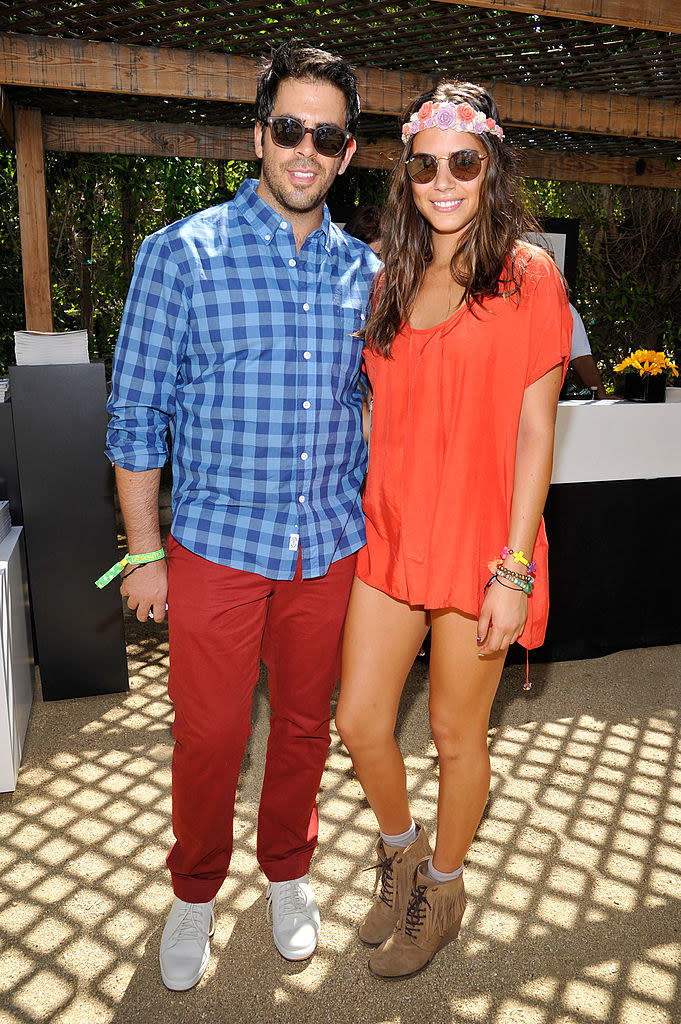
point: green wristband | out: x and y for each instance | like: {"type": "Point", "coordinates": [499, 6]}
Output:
{"type": "Point", "coordinates": [128, 559]}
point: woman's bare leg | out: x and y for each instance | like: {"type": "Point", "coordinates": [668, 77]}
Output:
{"type": "Point", "coordinates": [382, 637]}
{"type": "Point", "coordinates": [462, 688]}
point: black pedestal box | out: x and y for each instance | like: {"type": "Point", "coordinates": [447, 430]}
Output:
{"type": "Point", "coordinates": [66, 491]}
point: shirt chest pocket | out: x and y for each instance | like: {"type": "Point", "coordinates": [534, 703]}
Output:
{"type": "Point", "coordinates": [347, 353]}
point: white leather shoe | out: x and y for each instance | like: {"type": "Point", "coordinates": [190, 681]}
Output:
{"type": "Point", "coordinates": [185, 944]}
{"type": "Point", "coordinates": [294, 914]}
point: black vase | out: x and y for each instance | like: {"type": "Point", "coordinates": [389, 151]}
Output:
{"type": "Point", "coordinates": [645, 389]}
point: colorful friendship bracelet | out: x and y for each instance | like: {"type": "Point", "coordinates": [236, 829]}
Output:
{"type": "Point", "coordinates": [128, 559]}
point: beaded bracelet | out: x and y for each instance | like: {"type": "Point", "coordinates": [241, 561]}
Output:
{"type": "Point", "coordinates": [525, 584]}
{"type": "Point", "coordinates": [128, 559]}
{"type": "Point", "coordinates": [498, 578]}
{"type": "Point", "coordinates": [498, 564]}
{"type": "Point", "coordinates": [518, 556]}
{"type": "Point", "coordinates": [512, 574]}
{"type": "Point", "coordinates": [523, 587]}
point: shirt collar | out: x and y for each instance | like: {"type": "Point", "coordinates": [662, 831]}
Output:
{"type": "Point", "coordinates": [266, 221]}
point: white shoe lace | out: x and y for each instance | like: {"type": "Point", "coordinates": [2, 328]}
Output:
{"type": "Point", "coordinates": [290, 899]}
{"type": "Point", "coordinates": [190, 925]}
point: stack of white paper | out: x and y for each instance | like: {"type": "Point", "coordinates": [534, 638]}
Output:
{"type": "Point", "coordinates": [33, 348]}
{"type": "Point", "coordinates": [4, 388]}
{"type": "Point", "coordinates": [5, 521]}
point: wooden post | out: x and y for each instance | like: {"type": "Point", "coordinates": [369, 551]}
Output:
{"type": "Point", "coordinates": [35, 255]}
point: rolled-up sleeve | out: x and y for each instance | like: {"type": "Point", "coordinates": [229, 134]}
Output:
{"type": "Point", "coordinates": [146, 360]}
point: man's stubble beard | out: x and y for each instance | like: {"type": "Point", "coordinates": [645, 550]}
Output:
{"type": "Point", "coordinates": [286, 197]}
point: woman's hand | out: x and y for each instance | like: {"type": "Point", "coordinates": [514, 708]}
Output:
{"type": "Point", "coordinates": [502, 617]}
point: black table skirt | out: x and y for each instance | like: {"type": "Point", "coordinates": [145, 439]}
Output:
{"type": "Point", "coordinates": [614, 581]}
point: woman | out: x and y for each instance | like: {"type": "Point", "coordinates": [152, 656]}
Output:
{"type": "Point", "coordinates": [466, 347]}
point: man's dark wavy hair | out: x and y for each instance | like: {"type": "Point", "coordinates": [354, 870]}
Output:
{"type": "Point", "coordinates": [486, 262]}
{"type": "Point", "coordinates": [294, 60]}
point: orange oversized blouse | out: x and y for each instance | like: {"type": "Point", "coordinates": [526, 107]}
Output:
{"type": "Point", "coordinates": [444, 430]}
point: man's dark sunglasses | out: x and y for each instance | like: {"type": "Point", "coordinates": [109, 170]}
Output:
{"type": "Point", "coordinates": [327, 139]}
{"type": "Point", "coordinates": [465, 165]}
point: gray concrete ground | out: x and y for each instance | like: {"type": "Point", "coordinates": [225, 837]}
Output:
{"type": "Point", "coordinates": [574, 898]}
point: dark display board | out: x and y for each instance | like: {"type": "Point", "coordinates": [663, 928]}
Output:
{"type": "Point", "coordinates": [66, 482]}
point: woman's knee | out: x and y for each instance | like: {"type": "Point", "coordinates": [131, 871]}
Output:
{"type": "Point", "coordinates": [455, 739]}
{"type": "Point", "coordinates": [358, 729]}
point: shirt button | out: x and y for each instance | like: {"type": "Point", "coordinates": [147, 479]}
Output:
{"type": "Point", "coordinates": [306, 405]}
{"type": "Point", "coordinates": [268, 238]}
{"type": "Point", "coordinates": [304, 456]}
{"type": "Point", "coordinates": [283, 225]}
{"type": "Point", "coordinates": [306, 306]}
{"type": "Point", "coordinates": [307, 355]}
{"type": "Point", "coordinates": [291, 263]}
{"type": "Point", "coordinates": [362, 317]}
{"type": "Point", "coordinates": [301, 498]}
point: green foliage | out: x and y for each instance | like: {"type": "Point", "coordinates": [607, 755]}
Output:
{"type": "Point", "coordinates": [629, 264]}
{"type": "Point", "coordinates": [99, 210]}
{"type": "Point", "coordinates": [101, 207]}
{"type": "Point", "coordinates": [12, 296]}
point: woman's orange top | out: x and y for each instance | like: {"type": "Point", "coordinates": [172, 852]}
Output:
{"type": "Point", "coordinates": [444, 430]}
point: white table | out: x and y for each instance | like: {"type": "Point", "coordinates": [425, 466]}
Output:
{"type": "Point", "coordinates": [617, 440]}
{"type": "Point", "coordinates": [615, 488]}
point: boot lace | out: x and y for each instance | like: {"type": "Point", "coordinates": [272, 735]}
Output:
{"type": "Point", "coordinates": [290, 899]}
{"type": "Point", "coordinates": [416, 911]}
{"type": "Point", "coordinates": [385, 878]}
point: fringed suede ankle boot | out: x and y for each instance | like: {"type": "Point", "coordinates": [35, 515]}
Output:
{"type": "Point", "coordinates": [394, 874]}
{"type": "Point", "coordinates": [432, 919]}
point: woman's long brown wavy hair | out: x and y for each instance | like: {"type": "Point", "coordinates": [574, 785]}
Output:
{"type": "Point", "coordinates": [484, 264]}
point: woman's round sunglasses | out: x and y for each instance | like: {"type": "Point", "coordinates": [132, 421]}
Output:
{"type": "Point", "coordinates": [327, 139]}
{"type": "Point", "coordinates": [465, 165]}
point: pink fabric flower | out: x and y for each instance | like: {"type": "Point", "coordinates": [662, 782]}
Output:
{"type": "Point", "coordinates": [466, 112]}
{"type": "Point", "coordinates": [444, 118]}
{"type": "Point", "coordinates": [426, 110]}
{"type": "Point", "coordinates": [491, 124]}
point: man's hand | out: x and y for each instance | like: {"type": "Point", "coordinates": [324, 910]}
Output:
{"type": "Point", "coordinates": [147, 589]}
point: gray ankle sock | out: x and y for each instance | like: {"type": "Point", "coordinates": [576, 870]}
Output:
{"type": "Point", "coordinates": [403, 839]}
{"type": "Point", "coordinates": [442, 876]}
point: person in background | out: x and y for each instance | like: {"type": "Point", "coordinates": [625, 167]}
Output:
{"type": "Point", "coordinates": [581, 359]}
{"type": "Point", "coordinates": [365, 224]}
{"type": "Point", "coordinates": [240, 336]}
{"type": "Point", "coordinates": [465, 350]}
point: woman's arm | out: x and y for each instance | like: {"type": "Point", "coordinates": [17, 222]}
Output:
{"type": "Point", "coordinates": [504, 609]}
{"type": "Point", "coordinates": [366, 413]}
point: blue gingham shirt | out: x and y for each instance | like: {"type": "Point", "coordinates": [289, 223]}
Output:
{"type": "Point", "coordinates": [243, 347]}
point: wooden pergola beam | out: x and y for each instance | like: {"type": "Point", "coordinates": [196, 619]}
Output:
{"type": "Point", "coordinates": [136, 138]}
{"type": "Point", "coordinates": [35, 255]}
{"type": "Point", "coordinates": [656, 15]}
{"type": "Point", "coordinates": [6, 118]}
{"type": "Point", "coordinates": [45, 62]}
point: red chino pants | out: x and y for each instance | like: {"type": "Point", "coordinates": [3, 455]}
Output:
{"type": "Point", "coordinates": [221, 622]}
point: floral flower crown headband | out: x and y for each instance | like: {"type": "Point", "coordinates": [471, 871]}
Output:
{"type": "Point", "coordinates": [460, 116]}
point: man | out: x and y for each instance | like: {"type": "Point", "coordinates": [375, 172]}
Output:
{"type": "Point", "coordinates": [238, 336]}
{"type": "Point", "coordinates": [581, 359]}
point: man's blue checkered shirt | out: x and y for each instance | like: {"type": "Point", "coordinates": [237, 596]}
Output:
{"type": "Point", "coordinates": [244, 348]}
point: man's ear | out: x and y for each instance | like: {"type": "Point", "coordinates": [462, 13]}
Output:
{"type": "Point", "coordinates": [257, 139]}
{"type": "Point", "coordinates": [347, 155]}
